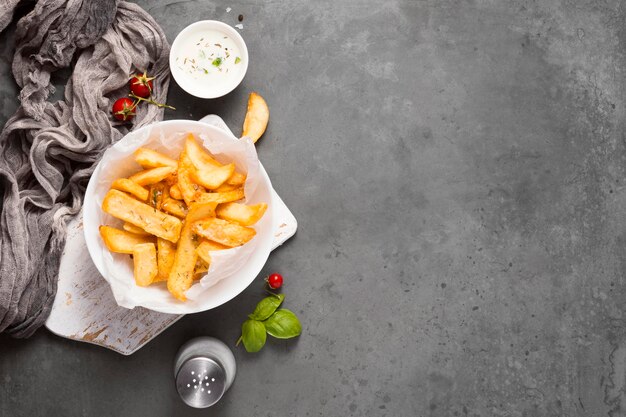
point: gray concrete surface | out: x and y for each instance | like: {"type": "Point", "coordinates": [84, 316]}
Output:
{"type": "Point", "coordinates": [458, 172]}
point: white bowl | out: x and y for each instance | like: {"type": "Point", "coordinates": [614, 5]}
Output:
{"type": "Point", "coordinates": [156, 297]}
{"type": "Point", "coordinates": [189, 84]}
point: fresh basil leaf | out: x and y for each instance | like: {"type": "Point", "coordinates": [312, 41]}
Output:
{"type": "Point", "coordinates": [267, 307]}
{"type": "Point", "coordinates": [283, 324]}
{"type": "Point", "coordinates": [253, 335]}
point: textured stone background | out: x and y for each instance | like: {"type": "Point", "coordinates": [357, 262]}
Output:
{"type": "Point", "coordinates": [458, 172]}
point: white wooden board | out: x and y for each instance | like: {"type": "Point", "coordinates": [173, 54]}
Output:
{"type": "Point", "coordinates": [84, 308]}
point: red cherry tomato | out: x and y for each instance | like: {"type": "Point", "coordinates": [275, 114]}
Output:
{"type": "Point", "coordinates": [141, 85]}
{"type": "Point", "coordinates": [275, 281]}
{"type": "Point", "coordinates": [124, 109]}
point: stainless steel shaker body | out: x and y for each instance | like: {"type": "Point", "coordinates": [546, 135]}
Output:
{"type": "Point", "coordinates": [204, 369]}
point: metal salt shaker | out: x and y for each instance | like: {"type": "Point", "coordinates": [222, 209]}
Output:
{"type": "Point", "coordinates": [204, 369]}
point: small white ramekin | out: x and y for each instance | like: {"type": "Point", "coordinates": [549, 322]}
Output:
{"type": "Point", "coordinates": [188, 84]}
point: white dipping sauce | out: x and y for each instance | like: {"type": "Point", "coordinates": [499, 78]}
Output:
{"type": "Point", "coordinates": [209, 57]}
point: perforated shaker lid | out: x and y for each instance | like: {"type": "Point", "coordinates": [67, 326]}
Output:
{"type": "Point", "coordinates": [200, 382]}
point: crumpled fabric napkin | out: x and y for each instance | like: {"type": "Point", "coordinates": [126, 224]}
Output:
{"type": "Point", "coordinates": [48, 150]}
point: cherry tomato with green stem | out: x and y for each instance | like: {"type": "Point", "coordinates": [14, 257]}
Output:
{"type": "Point", "coordinates": [141, 85]}
{"type": "Point", "coordinates": [124, 109]}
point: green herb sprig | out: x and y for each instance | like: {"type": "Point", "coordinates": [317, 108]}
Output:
{"type": "Point", "coordinates": [268, 318]}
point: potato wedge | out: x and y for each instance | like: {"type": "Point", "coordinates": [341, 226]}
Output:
{"type": "Point", "coordinates": [131, 228]}
{"type": "Point", "coordinates": [166, 251]}
{"type": "Point", "coordinates": [200, 211]}
{"type": "Point", "coordinates": [145, 264]}
{"type": "Point", "coordinates": [188, 188]}
{"type": "Point", "coordinates": [152, 176]}
{"type": "Point", "coordinates": [181, 275]}
{"type": "Point", "coordinates": [121, 241]}
{"type": "Point", "coordinates": [129, 186]}
{"type": "Point", "coordinates": [159, 192]}
{"type": "Point", "coordinates": [155, 222]}
{"type": "Point", "coordinates": [200, 269]}
{"type": "Point", "coordinates": [224, 232]}
{"type": "Point", "coordinates": [241, 213]}
{"type": "Point", "coordinates": [236, 179]}
{"type": "Point", "coordinates": [198, 156]}
{"type": "Point", "coordinates": [202, 159]}
{"type": "Point", "coordinates": [209, 245]}
{"type": "Point", "coordinates": [175, 192]}
{"type": "Point", "coordinates": [203, 250]}
{"type": "Point", "coordinates": [148, 158]}
{"type": "Point", "coordinates": [174, 207]}
{"type": "Point", "coordinates": [203, 254]}
{"type": "Point", "coordinates": [172, 179]}
{"type": "Point", "coordinates": [226, 187]}
{"type": "Point", "coordinates": [213, 177]}
{"type": "Point", "coordinates": [257, 117]}
{"type": "Point", "coordinates": [225, 197]}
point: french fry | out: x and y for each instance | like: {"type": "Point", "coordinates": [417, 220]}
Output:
{"type": "Point", "coordinates": [188, 188]}
{"type": "Point", "coordinates": [200, 211]}
{"type": "Point", "coordinates": [121, 241]}
{"type": "Point", "coordinates": [226, 187]}
{"type": "Point", "coordinates": [203, 250]}
{"type": "Point", "coordinates": [152, 176]}
{"type": "Point", "coordinates": [181, 275]}
{"type": "Point", "coordinates": [145, 264]}
{"type": "Point", "coordinates": [236, 179]}
{"type": "Point", "coordinates": [124, 184]}
{"type": "Point", "coordinates": [201, 268]}
{"type": "Point", "coordinates": [203, 254]}
{"type": "Point", "coordinates": [213, 177]}
{"type": "Point", "coordinates": [166, 251]}
{"type": "Point", "coordinates": [148, 158]}
{"type": "Point", "coordinates": [155, 222]}
{"type": "Point", "coordinates": [131, 228]}
{"type": "Point", "coordinates": [241, 213]}
{"type": "Point", "coordinates": [224, 232]}
{"type": "Point", "coordinates": [175, 192]}
{"type": "Point", "coordinates": [158, 193]}
{"type": "Point", "coordinates": [209, 245]}
{"type": "Point", "coordinates": [174, 207]}
{"type": "Point", "coordinates": [199, 157]}
{"type": "Point", "coordinates": [257, 117]}
{"type": "Point", "coordinates": [219, 198]}
{"type": "Point", "coordinates": [172, 179]}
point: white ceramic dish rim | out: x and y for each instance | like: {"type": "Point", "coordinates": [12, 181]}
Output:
{"type": "Point", "coordinates": [187, 84]}
{"type": "Point", "coordinates": [242, 278]}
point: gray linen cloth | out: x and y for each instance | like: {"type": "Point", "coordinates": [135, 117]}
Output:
{"type": "Point", "coordinates": [48, 150]}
